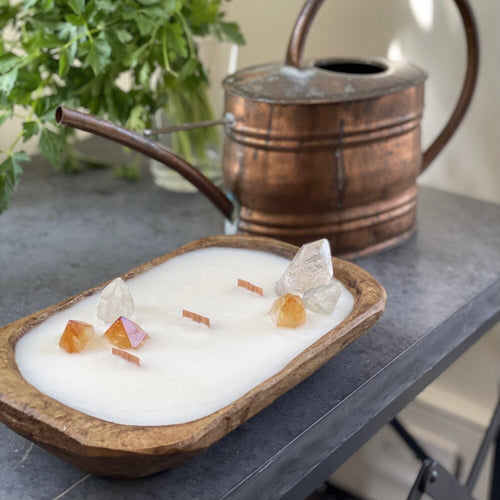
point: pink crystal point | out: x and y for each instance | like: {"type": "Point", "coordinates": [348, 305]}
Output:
{"type": "Point", "coordinates": [126, 334]}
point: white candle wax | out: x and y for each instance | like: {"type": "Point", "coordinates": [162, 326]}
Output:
{"type": "Point", "coordinates": [187, 369]}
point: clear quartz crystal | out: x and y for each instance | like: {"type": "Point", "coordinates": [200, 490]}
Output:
{"type": "Point", "coordinates": [323, 298]}
{"type": "Point", "coordinates": [115, 301]}
{"type": "Point", "coordinates": [311, 266]}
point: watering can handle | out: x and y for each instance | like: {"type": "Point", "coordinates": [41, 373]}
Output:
{"type": "Point", "coordinates": [301, 28]}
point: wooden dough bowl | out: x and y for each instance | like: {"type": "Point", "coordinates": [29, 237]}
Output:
{"type": "Point", "coordinates": [130, 451]}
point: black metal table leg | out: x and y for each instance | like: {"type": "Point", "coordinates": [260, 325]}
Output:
{"type": "Point", "coordinates": [489, 437]}
{"type": "Point", "coordinates": [418, 451]}
{"type": "Point", "coordinates": [495, 473]}
{"type": "Point", "coordinates": [434, 480]}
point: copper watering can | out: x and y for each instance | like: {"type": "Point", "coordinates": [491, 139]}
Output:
{"type": "Point", "coordinates": [328, 148]}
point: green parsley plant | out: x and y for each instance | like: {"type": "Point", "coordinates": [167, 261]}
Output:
{"type": "Point", "coordinates": [74, 51]}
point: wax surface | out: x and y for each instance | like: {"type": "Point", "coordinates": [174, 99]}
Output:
{"type": "Point", "coordinates": [188, 370]}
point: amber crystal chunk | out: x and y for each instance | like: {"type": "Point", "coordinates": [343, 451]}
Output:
{"type": "Point", "coordinates": [288, 311]}
{"type": "Point", "coordinates": [76, 336]}
{"type": "Point", "coordinates": [126, 334]}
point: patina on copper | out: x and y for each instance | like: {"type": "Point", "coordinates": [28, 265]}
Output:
{"type": "Point", "coordinates": [305, 162]}
{"type": "Point", "coordinates": [322, 149]}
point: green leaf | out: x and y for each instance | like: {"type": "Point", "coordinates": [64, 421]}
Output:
{"type": "Point", "coordinates": [52, 146]}
{"type": "Point", "coordinates": [136, 119]}
{"type": "Point", "coordinates": [17, 170]}
{"type": "Point", "coordinates": [6, 116]}
{"type": "Point", "coordinates": [98, 56]}
{"type": "Point", "coordinates": [176, 43]}
{"type": "Point", "coordinates": [145, 74]}
{"type": "Point", "coordinates": [145, 24]}
{"type": "Point", "coordinates": [123, 102]}
{"type": "Point", "coordinates": [134, 57]}
{"type": "Point", "coordinates": [7, 61]}
{"type": "Point", "coordinates": [27, 4]}
{"type": "Point", "coordinates": [8, 80]}
{"type": "Point", "coordinates": [27, 82]}
{"type": "Point", "coordinates": [21, 156]}
{"type": "Point", "coordinates": [148, 2]}
{"type": "Point", "coordinates": [106, 5]}
{"type": "Point", "coordinates": [45, 107]}
{"type": "Point", "coordinates": [123, 35]}
{"type": "Point", "coordinates": [77, 5]}
{"type": "Point", "coordinates": [46, 24]}
{"type": "Point", "coordinates": [66, 31]}
{"type": "Point", "coordinates": [47, 5]}
{"type": "Point", "coordinates": [72, 51]}
{"type": "Point", "coordinates": [232, 33]}
{"type": "Point", "coordinates": [10, 173]}
{"type": "Point", "coordinates": [63, 64]}
{"type": "Point", "coordinates": [204, 12]}
{"type": "Point", "coordinates": [29, 130]}
{"type": "Point", "coordinates": [76, 20]}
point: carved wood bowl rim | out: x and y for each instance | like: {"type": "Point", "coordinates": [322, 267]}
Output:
{"type": "Point", "coordinates": [56, 426]}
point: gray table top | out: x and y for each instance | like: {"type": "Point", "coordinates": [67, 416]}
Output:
{"type": "Point", "coordinates": [65, 234]}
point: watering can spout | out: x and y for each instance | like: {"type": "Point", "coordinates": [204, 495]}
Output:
{"type": "Point", "coordinates": [113, 132]}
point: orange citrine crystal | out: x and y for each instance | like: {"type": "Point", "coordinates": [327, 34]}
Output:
{"type": "Point", "coordinates": [288, 311]}
{"type": "Point", "coordinates": [126, 334]}
{"type": "Point", "coordinates": [76, 336]}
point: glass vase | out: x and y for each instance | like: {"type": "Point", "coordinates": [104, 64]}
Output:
{"type": "Point", "coordinates": [202, 147]}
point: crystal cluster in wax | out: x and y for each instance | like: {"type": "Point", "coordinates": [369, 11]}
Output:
{"type": "Point", "coordinates": [307, 283]}
{"type": "Point", "coordinates": [115, 301]}
{"type": "Point", "coordinates": [76, 336]}
{"type": "Point", "coordinates": [311, 266]}
{"type": "Point", "coordinates": [288, 311]}
{"type": "Point", "coordinates": [323, 298]}
{"type": "Point", "coordinates": [311, 274]}
{"type": "Point", "coordinates": [126, 334]}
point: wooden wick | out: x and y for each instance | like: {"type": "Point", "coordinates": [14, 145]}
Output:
{"type": "Point", "coordinates": [196, 317]}
{"type": "Point", "coordinates": [249, 286]}
{"type": "Point", "coordinates": [126, 356]}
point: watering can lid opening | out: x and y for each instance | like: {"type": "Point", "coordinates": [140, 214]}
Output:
{"type": "Point", "coordinates": [324, 80]}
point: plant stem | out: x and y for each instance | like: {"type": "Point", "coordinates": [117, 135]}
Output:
{"type": "Point", "coordinates": [189, 35]}
{"type": "Point", "coordinates": [166, 60]}
{"type": "Point", "coordinates": [14, 144]}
